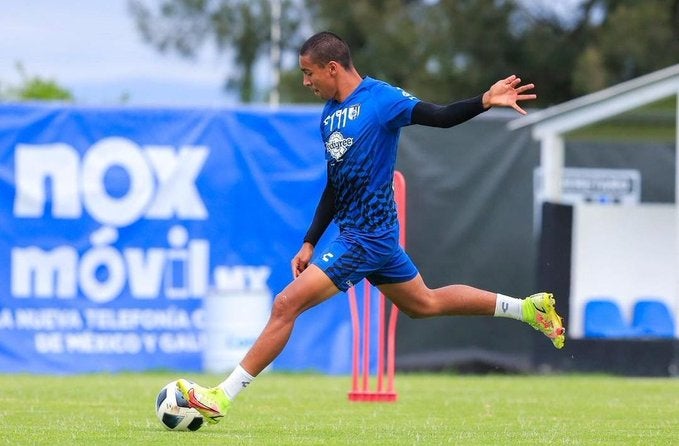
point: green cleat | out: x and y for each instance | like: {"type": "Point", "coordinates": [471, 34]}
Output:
{"type": "Point", "coordinates": [539, 313]}
{"type": "Point", "coordinates": [212, 403]}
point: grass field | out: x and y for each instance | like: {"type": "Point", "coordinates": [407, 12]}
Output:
{"type": "Point", "coordinates": [310, 409]}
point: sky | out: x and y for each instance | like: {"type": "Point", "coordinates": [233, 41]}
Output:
{"type": "Point", "coordinates": [93, 49]}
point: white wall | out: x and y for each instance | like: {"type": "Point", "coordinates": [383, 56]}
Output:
{"type": "Point", "coordinates": [623, 253]}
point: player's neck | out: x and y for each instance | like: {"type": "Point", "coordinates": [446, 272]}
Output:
{"type": "Point", "coordinates": [347, 84]}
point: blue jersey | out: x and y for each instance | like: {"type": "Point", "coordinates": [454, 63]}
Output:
{"type": "Point", "coordinates": [361, 139]}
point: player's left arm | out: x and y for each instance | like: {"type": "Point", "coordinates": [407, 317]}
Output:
{"type": "Point", "coordinates": [506, 93]}
{"type": "Point", "coordinates": [446, 116]}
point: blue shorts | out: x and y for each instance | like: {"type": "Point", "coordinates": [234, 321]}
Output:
{"type": "Point", "coordinates": [353, 256]}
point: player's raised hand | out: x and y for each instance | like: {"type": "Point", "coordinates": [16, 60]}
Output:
{"type": "Point", "coordinates": [506, 92]}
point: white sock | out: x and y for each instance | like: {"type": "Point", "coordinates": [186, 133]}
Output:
{"type": "Point", "coordinates": [238, 380]}
{"type": "Point", "coordinates": [511, 307]}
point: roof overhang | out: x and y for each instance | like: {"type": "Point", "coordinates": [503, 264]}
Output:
{"type": "Point", "coordinates": [602, 104]}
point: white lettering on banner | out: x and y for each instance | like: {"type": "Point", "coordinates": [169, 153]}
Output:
{"type": "Point", "coordinates": [117, 343]}
{"type": "Point", "coordinates": [150, 342]}
{"type": "Point", "coordinates": [180, 342]}
{"type": "Point", "coordinates": [147, 271]}
{"type": "Point", "coordinates": [158, 182]}
{"type": "Point", "coordinates": [88, 342]}
{"type": "Point", "coordinates": [253, 278]}
{"type": "Point", "coordinates": [175, 195]}
{"type": "Point", "coordinates": [47, 319]}
{"type": "Point", "coordinates": [135, 318]}
{"type": "Point", "coordinates": [41, 273]}
{"type": "Point", "coordinates": [121, 319]}
{"type": "Point", "coordinates": [117, 211]}
{"type": "Point", "coordinates": [34, 165]}
{"type": "Point", "coordinates": [6, 319]}
{"type": "Point", "coordinates": [109, 331]}
{"type": "Point", "coordinates": [48, 343]}
{"type": "Point", "coordinates": [101, 291]}
{"type": "Point", "coordinates": [176, 174]}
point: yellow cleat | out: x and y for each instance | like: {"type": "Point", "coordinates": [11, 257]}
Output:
{"type": "Point", "coordinates": [539, 313]}
{"type": "Point", "coordinates": [212, 403]}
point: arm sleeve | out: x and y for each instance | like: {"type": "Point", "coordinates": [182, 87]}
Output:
{"type": "Point", "coordinates": [325, 211]}
{"type": "Point", "coordinates": [446, 116]}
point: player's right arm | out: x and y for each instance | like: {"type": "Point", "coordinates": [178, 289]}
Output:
{"type": "Point", "coordinates": [325, 212]}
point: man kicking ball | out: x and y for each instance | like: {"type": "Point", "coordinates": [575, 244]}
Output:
{"type": "Point", "coordinates": [360, 126]}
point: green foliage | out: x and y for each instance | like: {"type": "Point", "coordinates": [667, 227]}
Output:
{"type": "Point", "coordinates": [307, 409]}
{"type": "Point", "coordinates": [639, 37]}
{"type": "Point", "coordinates": [238, 29]}
{"type": "Point", "coordinates": [35, 88]}
{"type": "Point", "coordinates": [439, 50]}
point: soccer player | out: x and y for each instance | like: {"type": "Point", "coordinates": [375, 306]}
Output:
{"type": "Point", "coordinates": [360, 127]}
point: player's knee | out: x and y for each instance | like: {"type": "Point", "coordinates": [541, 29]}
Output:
{"type": "Point", "coordinates": [421, 308]}
{"type": "Point", "coordinates": [413, 313]}
{"type": "Point", "coordinates": [418, 313]}
{"type": "Point", "coordinates": [283, 308]}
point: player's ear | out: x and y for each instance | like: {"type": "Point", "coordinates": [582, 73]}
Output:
{"type": "Point", "coordinates": [332, 67]}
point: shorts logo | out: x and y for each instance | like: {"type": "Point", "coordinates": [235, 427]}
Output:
{"type": "Point", "coordinates": [337, 145]}
{"type": "Point", "coordinates": [327, 256]}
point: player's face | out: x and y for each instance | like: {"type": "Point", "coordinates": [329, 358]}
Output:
{"type": "Point", "coordinates": [320, 79]}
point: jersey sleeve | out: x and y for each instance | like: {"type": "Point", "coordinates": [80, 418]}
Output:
{"type": "Point", "coordinates": [394, 105]}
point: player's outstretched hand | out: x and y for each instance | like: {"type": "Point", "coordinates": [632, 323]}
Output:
{"type": "Point", "coordinates": [506, 93]}
{"type": "Point", "coordinates": [302, 258]}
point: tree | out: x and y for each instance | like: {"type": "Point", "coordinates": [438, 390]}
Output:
{"type": "Point", "coordinates": [470, 46]}
{"type": "Point", "coordinates": [449, 49]}
{"type": "Point", "coordinates": [439, 50]}
{"type": "Point", "coordinates": [550, 44]}
{"type": "Point", "coordinates": [36, 88]}
{"type": "Point", "coordinates": [605, 42]}
{"type": "Point", "coordinates": [239, 29]}
{"type": "Point", "coordinates": [639, 37]}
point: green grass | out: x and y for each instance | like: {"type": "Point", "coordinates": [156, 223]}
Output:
{"type": "Point", "coordinates": [309, 409]}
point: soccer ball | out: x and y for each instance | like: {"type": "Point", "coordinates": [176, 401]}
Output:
{"type": "Point", "coordinates": [174, 412]}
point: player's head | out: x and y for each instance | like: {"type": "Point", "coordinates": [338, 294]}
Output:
{"type": "Point", "coordinates": [324, 59]}
{"type": "Point", "coordinates": [324, 47]}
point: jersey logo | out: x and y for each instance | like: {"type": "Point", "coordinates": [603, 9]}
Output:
{"type": "Point", "coordinates": [353, 112]}
{"type": "Point", "coordinates": [337, 145]}
{"type": "Point", "coordinates": [406, 94]}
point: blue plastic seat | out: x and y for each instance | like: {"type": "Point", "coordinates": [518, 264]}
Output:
{"type": "Point", "coordinates": [603, 319]}
{"type": "Point", "coordinates": [653, 318]}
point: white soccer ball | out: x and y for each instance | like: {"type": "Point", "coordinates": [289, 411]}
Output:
{"type": "Point", "coordinates": [174, 412]}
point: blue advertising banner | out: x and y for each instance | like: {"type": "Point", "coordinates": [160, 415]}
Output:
{"type": "Point", "coordinates": [115, 223]}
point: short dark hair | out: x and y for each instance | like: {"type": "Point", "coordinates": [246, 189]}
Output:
{"type": "Point", "coordinates": [326, 46]}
